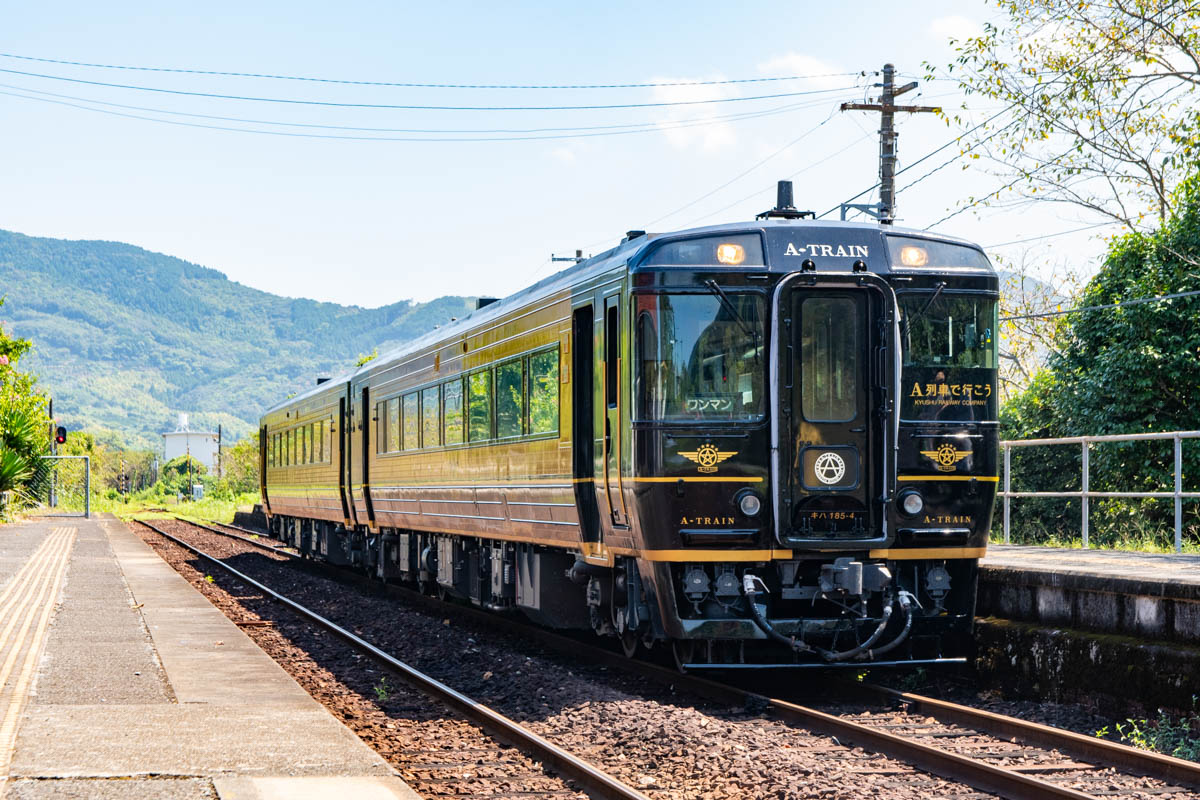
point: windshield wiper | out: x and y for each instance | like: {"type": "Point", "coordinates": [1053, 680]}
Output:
{"type": "Point", "coordinates": [909, 320]}
{"type": "Point", "coordinates": [728, 305]}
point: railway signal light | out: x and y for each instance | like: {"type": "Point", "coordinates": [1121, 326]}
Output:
{"type": "Point", "coordinates": [60, 435]}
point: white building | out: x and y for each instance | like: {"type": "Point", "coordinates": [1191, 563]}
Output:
{"type": "Point", "coordinates": [200, 445]}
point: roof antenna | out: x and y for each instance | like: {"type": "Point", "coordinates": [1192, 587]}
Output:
{"type": "Point", "coordinates": [784, 209]}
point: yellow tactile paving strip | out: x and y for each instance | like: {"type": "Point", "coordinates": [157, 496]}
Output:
{"type": "Point", "coordinates": [26, 606]}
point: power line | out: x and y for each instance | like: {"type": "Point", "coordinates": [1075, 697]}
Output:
{"type": "Point", "coordinates": [653, 125]}
{"type": "Point", "coordinates": [414, 107]}
{"type": "Point", "coordinates": [1052, 235]}
{"type": "Point", "coordinates": [745, 172]}
{"type": "Point", "coordinates": [925, 157]}
{"type": "Point", "coordinates": [410, 85]}
{"type": "Point", "coordinates": [1138, 301]}
{"type": "Point", "coordinates": [800, 171]}
{"type": "Point", "coordinates": [301, 135]}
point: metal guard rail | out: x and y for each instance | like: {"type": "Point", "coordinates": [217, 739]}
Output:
{"type": "Point", "coordinates": [1085, 494]}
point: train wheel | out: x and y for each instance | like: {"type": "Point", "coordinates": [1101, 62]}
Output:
{"type": "Point", "coordinates": [684, 651]}
{"type": "Point", "coordinates": [629, 644]}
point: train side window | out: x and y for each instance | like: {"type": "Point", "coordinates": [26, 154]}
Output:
{"type": "Point", "coordinates": [393, 417]}
{"type": "Point", "coordinates": [318, 453]}
{"type": "Point", "coordinates": [412, 422]}
{"type": "Point", "coordinates": [381, 427]}
{"type": "Point", "coordinates": [510, 398]}
{"type": "Point", "coordinates": [479, 406]}
{"type": "Point", "coordinates": [278, 450]}
{"type": "Point", "coordinates": [327, 436]}
{"type": "Point", "coordinates": [305, 448]}
{"type": "Point", "coordinates": [287, 448]}
{"type": "Point", "coordinates": [431, 425]}
{"type": "Point", "coordinates": [543, 392]}
{"type": "Point", "coordinates": [452, 412]}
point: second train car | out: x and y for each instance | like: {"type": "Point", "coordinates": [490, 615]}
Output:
{"type": "Point", "coordinates": [760, 444]}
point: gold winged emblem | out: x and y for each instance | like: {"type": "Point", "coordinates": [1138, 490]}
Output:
{"type": "Point", "coordinates": [707, 456]}
{"type": "Point", "coordinates": [946, 456]}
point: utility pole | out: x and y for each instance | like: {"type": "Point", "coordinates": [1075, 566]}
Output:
{"type": "Point", "coordinates": [885, 210]}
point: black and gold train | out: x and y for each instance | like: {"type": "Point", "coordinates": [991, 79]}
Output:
{"type": "Point", "coordinates": [768, 443]}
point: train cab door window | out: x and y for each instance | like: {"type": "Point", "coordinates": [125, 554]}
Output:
{"type": "Point", "coordinates": [479, 406]}
{"type": "Point", "coordinates": [431, 424]}
{"type": "Point", "coordinates": [393, 421]}
{"type": "Point", "coordinates": [829, 359]}
{"type": "Point", "coordinates": [543, 392]}
{"type": "Point", "coordinates": [612, 332]}
{"type": "Point", "coordinates": [510, 398]}
{"type": "Point", "coordinates": [412, 421]}
{"type": "Point", "coordinates": [452, 416]}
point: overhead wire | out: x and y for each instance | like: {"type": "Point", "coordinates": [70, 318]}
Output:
{"type": "Point", "coordinates": [923, 158]}
{"type": "Point", "coordinates": [413, 85]}
{"type": "Point", "coordinates": [419, 107]}
{"type": "Point", "coordinates": [1106, 306]}
{"type": "Point", "coordinates": [1051, 235]}
{"type": "Point", "coordinates": [747, 171]}
{"type": "Point", "coordinates": [653, 125]}
{"type": "Point", "coordinates": [347, 137]}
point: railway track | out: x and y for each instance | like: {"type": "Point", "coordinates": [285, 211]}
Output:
{"type": "Point", "coordinates": [1000, 755]}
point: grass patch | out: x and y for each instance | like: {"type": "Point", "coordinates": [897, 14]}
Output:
{"type": "Point", "coordinates": [1177, 736]}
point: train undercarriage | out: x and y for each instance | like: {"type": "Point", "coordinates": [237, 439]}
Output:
{"type": "Point", "coordinates": [822, 610]}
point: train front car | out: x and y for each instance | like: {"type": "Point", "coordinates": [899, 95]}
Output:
{"type": "Point", "coordinates": [814, 442]}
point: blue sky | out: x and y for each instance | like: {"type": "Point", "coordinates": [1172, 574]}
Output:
{"type": "Point", "coordinates": [371, 222]}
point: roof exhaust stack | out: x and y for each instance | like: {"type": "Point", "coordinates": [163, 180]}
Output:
{"type": "Point", "coordinates": [784, 208]}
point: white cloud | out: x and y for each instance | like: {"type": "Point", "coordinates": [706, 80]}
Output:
{"type": "Point", "coordinates": [564, 155]}
{"type": "Point", "coordinates": [954, 27]}
{"type": "Point", "coordinates": [825, 75]}
{"type": "Point", "coordinates": [709, 137]}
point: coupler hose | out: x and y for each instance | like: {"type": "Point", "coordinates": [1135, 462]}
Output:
{"type": "Point", "coordinates": [750, 584]}
{"type": "Point", "coordinates": [760, 619]}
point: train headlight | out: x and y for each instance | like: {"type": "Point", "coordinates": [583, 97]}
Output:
{"type": "Point", "coordinates": [732, 254]}
{"type": "Point", "coordinates": [911, 502]}
{"type": "Point", "coordinates": [750, 504]}
{"type": "Point", "coordinates": [913, 256]}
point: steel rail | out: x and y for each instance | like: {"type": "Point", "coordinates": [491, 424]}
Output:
{"type": "Point", "coordinates": [1156, 765]}
{"type": "Point", "coordinates": [1168, 768]}
{"type": "Point", "coordinates": [595, 781]}
{"type": "Point", "coordinates": [952, 766]}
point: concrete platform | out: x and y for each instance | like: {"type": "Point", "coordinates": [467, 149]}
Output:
{"type": "Point", "coordinates": [1153, 596]}
{"type": "Point", "coordinates": [139, 688]}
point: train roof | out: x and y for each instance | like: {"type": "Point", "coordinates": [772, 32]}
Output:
{"type": "Point", "coordinates": [833, 232]}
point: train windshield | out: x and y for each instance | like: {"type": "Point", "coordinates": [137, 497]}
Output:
{"type": "Point", "coordinates": [944, 329]}
{"type": "Point", "coordinates": [700, 356]}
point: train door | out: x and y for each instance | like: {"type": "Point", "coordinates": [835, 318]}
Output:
{"type": "Point", "coordinates": [583, 422]}
{"type": "Point", "coordinates": [343, 444]}
{"type": "Point", "coordinates": [364, 421]}
{"type": "Point", "coordinates": [263, 443]}
{"type": "Point", "coordinates": [614, 482]}
{"type": "Point", "coordinates": [832, 431]}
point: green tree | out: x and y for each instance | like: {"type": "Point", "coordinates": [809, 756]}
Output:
{"type": "Point", "coordinates": [24, 424]}
{"type": "Point", "coordinates": [1130, 369]}
{"type": "Point", "coordinates": [1101, 98]}
{"type": "Point", "coordinates": [239, 466]}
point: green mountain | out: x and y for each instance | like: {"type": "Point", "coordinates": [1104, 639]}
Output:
{"type": "Point", "coordinates": [124, 338]}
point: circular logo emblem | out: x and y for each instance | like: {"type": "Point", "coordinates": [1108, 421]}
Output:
{"type": "Point", "coordinates": [830, 468]}
{"type": "Point", "coordinates": [947, 455]}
